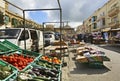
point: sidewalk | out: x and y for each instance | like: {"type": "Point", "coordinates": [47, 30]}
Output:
{"type": "Point", "coordinates": [65, 69]}
{"type": "Point", "coordinates": [74, 71]}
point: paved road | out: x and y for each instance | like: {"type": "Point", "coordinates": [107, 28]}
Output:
{"type": "Point", "coordinates": [78, 72]}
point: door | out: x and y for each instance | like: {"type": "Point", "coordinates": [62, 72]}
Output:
{"type": "Point", "coordinates": [25, 40]}
{"type": "Point", "coordinates": [34, 37]}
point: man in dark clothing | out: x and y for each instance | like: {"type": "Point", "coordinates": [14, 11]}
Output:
{"type": "Point", "coordinates": [91, 38]}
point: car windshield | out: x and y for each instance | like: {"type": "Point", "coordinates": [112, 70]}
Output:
{"type": "Point", "coordinates": [9, 33]}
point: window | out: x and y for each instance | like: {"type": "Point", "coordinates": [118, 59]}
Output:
{"type": "Point", "coordinates": [6, 19]}
{"type": "Point", "coordinates": [94, 25]}
{"type": "Point", "coordinates": [33, 34]}
{"type": "Point", "coordinates": [9, 33]}
{"type": "Point", "coordinates": [103, 21]}
{"type": "Point", "coordinates": [24, 35]}
{"type": "Point", "coordinates": [94, 18]}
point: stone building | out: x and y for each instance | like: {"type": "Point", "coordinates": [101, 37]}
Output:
{"type": "Point", "coordinates": [11, 19]}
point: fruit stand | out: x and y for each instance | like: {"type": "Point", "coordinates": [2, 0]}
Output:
{"type": "Point", "coordinates": [98, 38]}
{"type": "Point", "coordinates": [92, 57]}
{"type": "Point", "coordinates": [17, 64]}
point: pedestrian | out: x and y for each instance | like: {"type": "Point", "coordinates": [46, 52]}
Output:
{"type": "Point", "coordinates": [91, 38]}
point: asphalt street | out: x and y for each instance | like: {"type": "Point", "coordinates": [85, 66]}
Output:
{"type": "Point", "coordinates": [74, 71]}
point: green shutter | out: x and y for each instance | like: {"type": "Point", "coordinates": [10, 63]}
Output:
{"type": "Point", "coordinates": [14, 22]}
{"type": "Point", "coordinates": [6, 19]}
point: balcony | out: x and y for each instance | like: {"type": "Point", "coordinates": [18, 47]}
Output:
{"type": "Point", "coordinates": [113, 11]}
{"type": "Point", "coordinates": [114, 24]}
{"type": "Point", "coordinates": [101, 17]}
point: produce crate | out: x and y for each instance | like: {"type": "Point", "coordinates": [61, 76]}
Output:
{"type": "Point", "coordinates": [47, 59]}
{"type": "Point", "coordinates": [39, 77]}
{"type": "Point", "coordinates": [47, 64]}
{"type": "Point", "coordinates": [10, 45]}
{"type": "Point", "coordinates": [13, 75]}
{"type": "Point", "coordinates": [4, 49]}
{"type": "Point", "coordinates": [22, 56]}
{"type": "Point", "coordinates": [31, 53]}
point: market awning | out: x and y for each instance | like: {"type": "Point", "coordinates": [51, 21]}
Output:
{"type": "Point", "coordinates": [95, 30]}
{"type": "Point", "coordinates": [117, 29]}
{"type": "Point", "coordinates": [106, 29]}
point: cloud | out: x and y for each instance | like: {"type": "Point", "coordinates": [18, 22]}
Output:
{"type": "Point", "coordinates": [77, 10]}
{"type": "Point", "coordinates": [72, 10]}
{"type": "Point", "coordinates": [75, 24]}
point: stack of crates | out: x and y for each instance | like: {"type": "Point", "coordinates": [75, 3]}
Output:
{"type": "Point", "coordinates": [7, 48]}
{"type": "Point", "coordinates": [12, 48]}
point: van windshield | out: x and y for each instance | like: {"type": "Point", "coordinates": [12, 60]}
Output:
{"type": "Point", "coordinates": [9, 33]}
{"type": "Point", "coordinates": [47, 36]}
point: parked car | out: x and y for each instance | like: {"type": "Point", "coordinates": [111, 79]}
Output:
{"type": "Point", "coordinates": [49, 37]}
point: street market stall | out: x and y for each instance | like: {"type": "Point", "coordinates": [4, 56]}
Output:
{"type": "Point", "coordinates": [98, 38]}
{"type": "Point", "coordinates": [114, 37]}
{"type": "Point", "coordinates": [57, 46]}
{"type": "Point", "coordinates": [24, 65]}
{"type": "Point", "coordinates": [91, 56]}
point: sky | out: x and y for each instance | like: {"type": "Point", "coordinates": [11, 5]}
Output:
{"type": "Point", "coordinates": [73, 11]}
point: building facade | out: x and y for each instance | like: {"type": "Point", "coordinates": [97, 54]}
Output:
{"type": "Point", "coordinates": [105, 19]}
{"type": "Point", "coordinates": [2, 12]}
{"type": "Point", "coordinates": [108, 16]}
{"type": "Point", "coordinates": [114, 13]}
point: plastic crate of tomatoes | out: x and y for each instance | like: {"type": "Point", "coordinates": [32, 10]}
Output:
{"type": "Point", "coordinates": [20, 59]}
{"type": "Point", "coordinates": [7, 71]}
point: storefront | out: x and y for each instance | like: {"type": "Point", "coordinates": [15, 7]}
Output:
{"type": "Point", "coordinates": [98, 38]}
{"type": "Point", "coordinates": [115, 36]}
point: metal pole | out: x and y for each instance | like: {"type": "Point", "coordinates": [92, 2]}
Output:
{"type": "Point", "coordinates": [60, 32]}
{"type": "Point", "coordinates": [60, 27]}
{"type": "Point", "coordinates": [43, 38]}
{"type": "Point", "coordinates": [24, 29]}
{"type": "Point", "coordinates": [41, 9]}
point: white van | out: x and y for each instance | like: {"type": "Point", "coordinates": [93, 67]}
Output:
{"type": "Point", "coordinates": [29, 39]}
{"type": "Point", "coordinates": [49, 37]}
